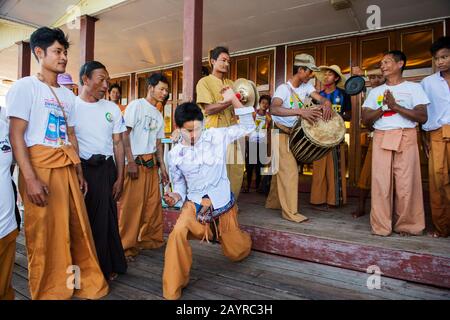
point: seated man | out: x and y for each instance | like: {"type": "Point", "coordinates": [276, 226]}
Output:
{"type": "Point", "coordinates": [197, 166]}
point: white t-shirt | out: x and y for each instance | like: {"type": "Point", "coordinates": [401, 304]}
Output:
{"type": "Point", "coordinates": [436, 87]}
{"type": "Point", "coordinates": [259, 135]}
{"type": "Point", "coordinates": [148, 126]}
{"type": "Point", "coordinates": [32, 100]}
{"type": "Point", "coordinates": [3, 115]}
{"type": "Point", "coordinates": [94, 125]}
{"type": "Point", "coordinates": [7, 215]}
{"type": "Point", "coordinates": [407, 94]}
{"type": "Point", "coordinates": [283, 93]}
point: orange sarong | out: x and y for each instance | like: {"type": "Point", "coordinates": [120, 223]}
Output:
{"type": "Point", "coordinates": [58, 236]}
{"type": "Point", "coordinates": [140, 212]}
{"type": "Point", "coordinates": [396, 163]}
{"type": "Point", "coordinates": [439, 173]}
{"type": "Point", "coordinates": [236, 245]}
{"type": "Point", "coordinates": [7, 255]}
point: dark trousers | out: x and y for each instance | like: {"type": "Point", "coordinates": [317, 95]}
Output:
{"type": "Point", "coordinates": [102, 211]}
{"type": "Point", "coordinates": [253, 161]}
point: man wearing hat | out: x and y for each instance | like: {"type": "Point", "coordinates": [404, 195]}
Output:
{"type": "Point", "coordinates": [65, 79]}
{"type": "Point", "coordinates": [328, 180]}
{"type": "Point", "coordinates": [287, 105]}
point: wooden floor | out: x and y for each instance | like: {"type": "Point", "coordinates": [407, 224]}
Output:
{"type": "Point", "coordinates": [335, 224]}
{"type": "Point", "coordinates": [333, 237]}
{"type": "Point", "coordinates": [261, 276]}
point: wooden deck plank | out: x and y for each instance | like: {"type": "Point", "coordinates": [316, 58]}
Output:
{"type": "Point", "coordinates": [337, 277]}
{"type": "Point", "coordinates": [234, 285]}
{"type": "Point", "coordinates": [261, 276]}
{"type": "Point", "coordinates": [214, 277]}
{"type": "Point", "coordinates": [393, 289]}
{"type": "Point", "coordinates": [20, 285]}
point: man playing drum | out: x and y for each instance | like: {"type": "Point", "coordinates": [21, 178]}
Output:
{"type": "Point", "coordinates": [328, 180]}
{"type": "Point", "coordinates": [287, 105]}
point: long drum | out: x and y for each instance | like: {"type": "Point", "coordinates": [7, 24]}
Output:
{"type": "Point", "coordinates": [310, 142]}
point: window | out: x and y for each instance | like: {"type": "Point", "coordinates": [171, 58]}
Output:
{"type": "Point", "coordinates": [416, 46]}
{"type": "Point", "coordinates": [339, 55]}
{"type": "Point", "coordinates": [242, 67]}
{"type": "Point", "coordinates": [263, 73]}
{"type": "Point", "coordinates": [372, 52]}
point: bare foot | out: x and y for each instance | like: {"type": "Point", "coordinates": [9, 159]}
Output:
{"type": "Point", "coordinates": [404, 234]}
{"type": "Point", "coordinates": [113, 276]}
{"type": "Point", "coordinates": [435, 234]}
{"type": "Point", "coordinates": [358, 213]}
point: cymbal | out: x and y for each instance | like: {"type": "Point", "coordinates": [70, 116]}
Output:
{"type": "Point", "coordinates": [248, 93]}
{"type": "Point", "coordinates": [355, 85]}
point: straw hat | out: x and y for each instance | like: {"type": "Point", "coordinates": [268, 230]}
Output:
{"type": "Point", "coordinates": [320, 75]}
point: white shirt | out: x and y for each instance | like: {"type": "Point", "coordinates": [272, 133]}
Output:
{"type": "Point", "coordinates": [94, 125]}
{"type": "Point", "coordinates": [7, 215]}
{"type": "Point", "coordinates": [3, 115]}
{"type": "Point", "coordinates": [147, 124]}
{"type": "Point", "coordinates": [260, 134]}
{"type": "Point", "coordinates": [32, 100]}
{"type": "Point", "coordinates": [407, 94]}
{"type": "Point", "coordinates": [283, 93]}
{"type": "Point", "coordinates": [200, 169]}
{"type": "Point", "coordinates": [438, 92]}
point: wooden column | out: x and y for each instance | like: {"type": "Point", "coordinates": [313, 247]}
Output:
{"type": "Point", "coordinates": [132, 87]}
{"type": "Point", "coordinates": [87, 38]}
{"type": "Point", "coordinates": [280, 65]}
{"type": "Point", "coordinates": [192, 47]}
{"type": "Point", "coordinates": [24, 56]}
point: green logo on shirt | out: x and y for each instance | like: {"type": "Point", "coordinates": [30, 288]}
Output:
{"type": "Point", "coordinates": [108, 117]}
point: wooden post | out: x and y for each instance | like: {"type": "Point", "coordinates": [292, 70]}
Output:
{"type": "Point", "coordinates": [24, 56]}
{"type": "Point", "coordinates": [280, 65]}
{"type": "Point", "coordinates": [87, 38]}
{"type": "Point", "coordinates": [192, 47]}
{"type": "Point", "coordinates": [132, 87]}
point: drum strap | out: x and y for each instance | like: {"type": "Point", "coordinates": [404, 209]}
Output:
{"type": "Point", "coordinates": [295, 97]}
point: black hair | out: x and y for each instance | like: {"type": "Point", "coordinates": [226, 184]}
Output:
{"type": "Point", "coordinates": [215, 53]}
{"type": "Point", "coordinates": [441, 43]}
{"type": "Point", "coordinates": [296, 68]}
{"type": "Point", "coordinates": [336, 74]}
{"type": "Point", "coordinates": [265, 97]}
{"type": "Point", "coordinates": [88, 68]}
{"type": "Point", "coordinates": [205, 71]}
{"type": "Point", "coordinates": [156, 78]}
{"type": "Point", "coordinates": [187, 111]}
{"type": "Point", "coordinates": [116, 86]}
{"type": "Point", "coordinates": [44, 37]}
{"type": "Point", "coordinates": [398, 56]}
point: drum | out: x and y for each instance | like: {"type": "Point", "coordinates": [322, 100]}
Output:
{"type": "Point", "coordinates": [310, 142]}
